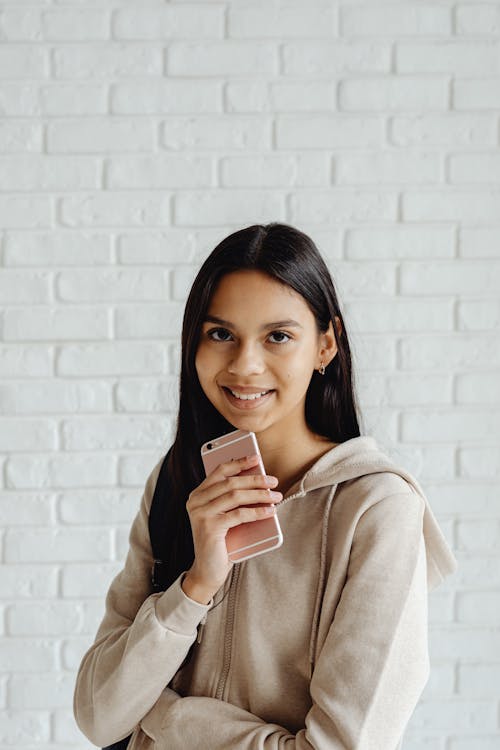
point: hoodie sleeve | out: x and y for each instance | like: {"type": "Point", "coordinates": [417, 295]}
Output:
{"type": "Point", "coordinates": [140, 644]}
{"type": "Point", "coordinates": [372, 667]}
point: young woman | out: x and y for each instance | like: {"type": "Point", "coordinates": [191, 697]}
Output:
{"type": "Point", "coordinates": [322, 642]}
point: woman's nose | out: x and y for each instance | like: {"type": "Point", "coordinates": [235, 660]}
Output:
{"type": "Point", "coordinates": [246, 360]}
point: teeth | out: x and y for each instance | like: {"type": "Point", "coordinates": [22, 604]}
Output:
{"type": "Point", "coordinates": [248, 396]}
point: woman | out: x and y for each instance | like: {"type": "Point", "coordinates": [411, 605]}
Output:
{"type": "Point", "coordinates": [322, 642]}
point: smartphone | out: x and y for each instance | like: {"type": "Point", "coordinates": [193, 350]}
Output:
{"type": "Point", "coordinates": [255, 537]}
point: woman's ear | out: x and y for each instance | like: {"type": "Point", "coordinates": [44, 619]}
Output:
{"type": "Point", "coordinates": [328, 348]}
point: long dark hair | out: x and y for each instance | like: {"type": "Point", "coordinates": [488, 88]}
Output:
{"type": "Point", "coordinates": [291, 257]}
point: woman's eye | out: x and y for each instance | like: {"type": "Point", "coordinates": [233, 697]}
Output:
{"type": "Point", "coordinates": [280, 333]}
{"type": "Point", "coordinates": [211, 334]}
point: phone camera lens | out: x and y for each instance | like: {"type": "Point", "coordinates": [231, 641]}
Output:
{"type": "Point", "coordinates": [209, 446]}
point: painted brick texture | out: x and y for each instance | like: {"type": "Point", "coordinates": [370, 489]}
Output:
{"type": "Point", "coordinates": [133, 137]}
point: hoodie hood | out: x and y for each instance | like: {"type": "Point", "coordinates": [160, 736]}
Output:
{"type": "Point", "coordinates": [360, 456]}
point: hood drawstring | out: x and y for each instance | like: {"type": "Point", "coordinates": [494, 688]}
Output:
{"type": "Point", "coordinates": [321, 581]}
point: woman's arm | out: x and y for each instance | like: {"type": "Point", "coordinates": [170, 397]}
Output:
{"type": "Point", "coordinates": [140, 644]}
{"type": "Point", "coordinates": [373, 665]}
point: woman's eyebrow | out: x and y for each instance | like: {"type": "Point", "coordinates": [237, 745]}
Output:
{"type": "Point", "coordinates": [266, 326]}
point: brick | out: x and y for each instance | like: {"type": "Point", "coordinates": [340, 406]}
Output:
{"type": "Point", "coordinates": [215, 133]}
{"type": "Point", "coordinates": [182, 280]}
{"type": "Point", "coordinates": [165, 246]}
{"type": "Point", "coordinates": [419, 389]}
{"type": "Point", "coordinates": [479, 607]}
{"type": "Point", "coordinates": [191, 22]}
{"type": "Point", "coordinates": [56, 396]}
{"type": "Point", "coordinates": [44, 618]}
{"type": "Point", "coordinates": [23, 61]}
{"type": "Point", "coordinates": [25, 286]}
{"type": "Point", "coordinates": [478, 680]}
{"type": "Point", "coordinates": [57, 545]}
{"type": "Point", "coordinates": [106, 61]}
{"type": "Point", "coordinates": [112, 433]}
{"type": "Point", "coordinates": [455, 715]}
{"type": "Point", "coordinates": [401, 315]}
{"type": "Point", "coordinates": [47, 324]}
{"type": "Point", "coordinates": [477, 388]}
{"type": "Point", "coordinates": [57, 249]}
{"type": "Point", "coordinates": [394, 21]}
{"type": "Point", "coordinates": [117, 358]}
{"type": "Point", "coordinates": [475, 741]}
{"type": "Point", "coordinates": [390, 93]}
{"type": "Point", "coordinates": [453, 640]}
{"type": "Point", "coordinates": [287, 96]}
{"type": "Point", "coordinates": [136, 467]}
{"type": "Point", "coordinates": [40, 691]}
{"type": "Point", "coordinates": [151, 321]}
{"type": "Point", "coordinates": [27, 212]}
{"type": "Point", "coordinates": [255, 171]}
{"type": "Point", "coordinates": [455, 498]}
{"type": "Point", "coordinates": [467, 206]}
{"type": "Point", "coordinates": [72, 652]}
{"type": "Point", "coordinates": [473, 569]}
{"type": "Point", "coordinates": [25, 361]}
{"type": "Point", "coordinates": [479, 242]}
{"type": "Point", "coordinates": [19, 509]}
{"type": "Point", "coordinates": [386, 168]}
{"type": "Point", "coordinates": [74, 24]}
{"type": "Point", "coordinates": [441, 608]}
{"type": "Point", "coordinates": [112, 285]}
{"type": "Point", "coordinates": [318, 131]}
{"type": "Point", "coordinates": [27, 655]}
{"type": "Point", "coordinates": [456, 58]}
{"type": "Point", "coordinates": [25, 582]}
{"type": "Point", "coordinates": [478, 535]}
{"type": "Point", "coordinates": [480, 463]}
{"type": "Point", "coordinates": [361, 279]}
{"type": "Point", "coordinates": [476, 93]}
{"type": "Point", "coordinates": [428, 462]}
{"type": "Point", "coordinates": [19, 99]}
{"type": "Point", "coordinates": [174, 97]}
{"type": "Point", "coordinates": [48, 173]}
{"type": "Point", "coordinates": [19, 136]}
{"type": "Point", "coordinates": [477, 18]}
{"type": "Point", "coordinates": [219, 207]}
{"type": "Point", "coordinates": [445, 130]}
{"type": "Point", "coordinates": [148, 396]}
{"type": "Point", "coordinates": [222, 58]}
{"type": "Point", "coordinates": [61, 99]}
{"type": "Point", "coordinates": [99, 135]}
{"type": "Point", "coordinates": [27, 434]}
{"type": "Point", "coordinates": [23, 24]}
{"type": "Point", "coordinates": [401, 242]}
{"type": "Point", "coordinates": [81, 581]}
{"type": "Point", "coordinates": [254, 96]}
{"type": "Point", "coordinates": [450, 277]}
{"type": "Point", "coordinates": [343, 206]}
{"type": "Point", "coordinates": [474, 168]}
{"type": "Point", "coordinates": [478, 315]}
{"type": "Point", "coordinates": [122, 209]}
{"type": "Point", "coordinates": [283, 22]}
{"type": "Point", "coordinates": [335, 58]}
{"type": "Point", "coordinates": [39, 471]}
{"type": "Point", "coordinates": [446, 425]}
{"type": "Point", "coordinates": [66, 731]}
{"type": "Point", "coordinates": [20, 727]}
{"type": "Point", "coordinates": [150, 172]}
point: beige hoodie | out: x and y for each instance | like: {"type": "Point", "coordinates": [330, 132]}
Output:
{"type": "Point", "coordinates": [321, 643]}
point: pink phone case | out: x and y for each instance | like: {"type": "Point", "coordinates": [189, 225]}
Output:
{"type": "Point", "coordinates": [255, 537]}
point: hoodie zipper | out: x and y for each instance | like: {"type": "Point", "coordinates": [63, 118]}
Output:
{"type": "Point", "coordinates": [228, 635]}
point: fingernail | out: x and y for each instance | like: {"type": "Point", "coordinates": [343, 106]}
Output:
{"type": "Point", "coordinates": [271, 481]}
{"type": "Point", "coordinates": [276, 495]}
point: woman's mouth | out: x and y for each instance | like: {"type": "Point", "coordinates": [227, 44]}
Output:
{"type": "Point", "coordinates": [246, 400]}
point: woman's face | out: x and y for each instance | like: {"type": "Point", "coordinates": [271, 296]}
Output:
{"type": "Point", "coordinates": [260, 336]}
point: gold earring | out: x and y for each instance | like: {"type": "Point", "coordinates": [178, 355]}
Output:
{"type": "Point", "coordinates": [322, 369]}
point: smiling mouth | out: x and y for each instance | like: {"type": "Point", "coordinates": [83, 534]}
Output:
{"type": "Point", "coordinates": [246, 399]}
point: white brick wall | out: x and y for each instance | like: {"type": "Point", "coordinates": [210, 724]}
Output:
{"type": "Point", "coordinates": [133, 137]}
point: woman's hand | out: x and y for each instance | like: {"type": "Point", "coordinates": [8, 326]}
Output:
{"type": "Point", "coordinates": [216, 506]}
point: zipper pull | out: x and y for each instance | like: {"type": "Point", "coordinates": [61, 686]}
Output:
{"type": "Point", "coordinates": [200, 629]}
